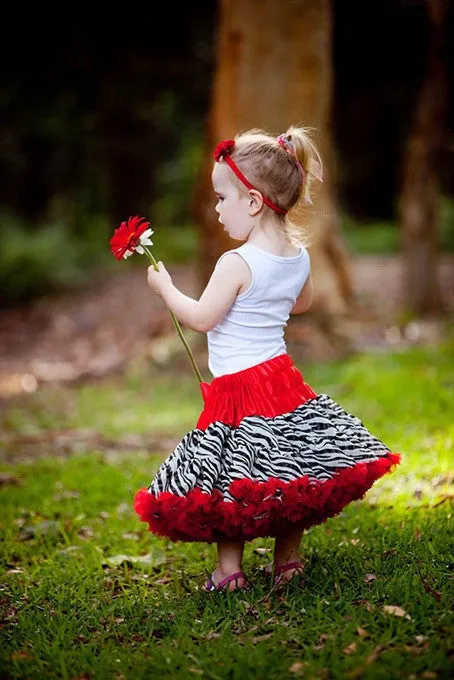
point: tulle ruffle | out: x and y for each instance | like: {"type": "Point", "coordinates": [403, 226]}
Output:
{"type": "Point", "coordinates": [262, 508]}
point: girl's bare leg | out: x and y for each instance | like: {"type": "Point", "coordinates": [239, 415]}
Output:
{"type": "Point", "coordinates": [230, 557]}
{"type": "Point", "coordinates": [286, 549]}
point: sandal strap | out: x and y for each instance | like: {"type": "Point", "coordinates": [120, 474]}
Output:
{"type": "Point", "coordinates": [228, 579]}
{"type": "Point", "coordinates": [287, 567]}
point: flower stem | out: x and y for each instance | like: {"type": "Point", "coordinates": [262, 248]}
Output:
{"type": "Point", "coordinates": [176, 322]}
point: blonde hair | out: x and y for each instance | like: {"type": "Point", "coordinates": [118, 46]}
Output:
{"type": "Point", "coordinates": [282, 169]}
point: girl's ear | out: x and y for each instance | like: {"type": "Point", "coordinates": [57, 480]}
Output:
{"type": "Point", "coordinates": [255, 201]}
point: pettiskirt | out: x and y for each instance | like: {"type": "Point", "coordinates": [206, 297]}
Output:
{"type": "Point", "coordinates": [267, 456]}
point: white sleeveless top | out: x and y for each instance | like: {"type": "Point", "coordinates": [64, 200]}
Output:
{"type": "Point", "coordinates": [252, 331]}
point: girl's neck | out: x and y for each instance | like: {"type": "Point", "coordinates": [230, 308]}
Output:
{"type": "Point", "coordinates": [270, 237]}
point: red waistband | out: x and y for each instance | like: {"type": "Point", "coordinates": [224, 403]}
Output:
{"type": "Point", "coordinates": [268, 389]}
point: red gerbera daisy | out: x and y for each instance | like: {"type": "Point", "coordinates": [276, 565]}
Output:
{"type": "Point", "coordinates": [131, 236]}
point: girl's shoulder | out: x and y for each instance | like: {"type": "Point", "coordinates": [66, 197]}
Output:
{"type": "Point", "coordinates": [233, 251]}
{"type": "Point", "coordinates": [233, 259]}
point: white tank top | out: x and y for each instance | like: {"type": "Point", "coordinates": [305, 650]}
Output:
{"type": "Point", "coordinates": [252, 331]}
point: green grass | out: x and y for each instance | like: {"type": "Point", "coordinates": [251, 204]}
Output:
{"type": "Point", "coordinates": [384, 237]}
{"type": "Point", "coordinates": [376, 238]}
{"type": "Point", "coordinates": [87, 592]}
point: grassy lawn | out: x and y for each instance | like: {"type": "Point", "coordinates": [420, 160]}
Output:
{"type": "Point", "coordinates": [87, 592]}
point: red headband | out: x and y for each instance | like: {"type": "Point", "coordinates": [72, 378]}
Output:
{"type": "Point", "coordinates": [223, 151]}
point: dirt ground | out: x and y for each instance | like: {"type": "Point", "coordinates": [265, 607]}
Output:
{"type": "Point", "coordinates": [97, 331]}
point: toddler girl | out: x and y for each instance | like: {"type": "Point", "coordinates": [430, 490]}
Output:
{"type": "Point", "coordinates": [268, 456]}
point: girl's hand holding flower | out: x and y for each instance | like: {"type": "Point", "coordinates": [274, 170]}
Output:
{"type": "Point", "coordinates": [158, 280]}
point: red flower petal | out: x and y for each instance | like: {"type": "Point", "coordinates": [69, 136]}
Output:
{"type": "Point", "coordinates": [127, 236]}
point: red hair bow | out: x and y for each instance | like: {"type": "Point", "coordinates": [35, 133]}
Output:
{"type": "Point", "coordinates": [224, 148]}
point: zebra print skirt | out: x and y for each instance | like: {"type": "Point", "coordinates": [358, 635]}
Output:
{"type": "Point", "coordinates": [267, 456]}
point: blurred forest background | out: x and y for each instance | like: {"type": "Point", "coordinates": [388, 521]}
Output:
{"type": "Point", "coordinates": [106, 118]}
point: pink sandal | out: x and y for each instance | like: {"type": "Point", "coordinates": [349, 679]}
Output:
{"type": "Point", "coordinates": [210, 585]}
{"type": "Point", "coordinates": [277, 572]}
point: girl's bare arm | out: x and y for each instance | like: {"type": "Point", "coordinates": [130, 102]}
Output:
{"type": "Point", "coordinates": [230, 276]}
{"type": "Point", "coordinates": [304, 300]}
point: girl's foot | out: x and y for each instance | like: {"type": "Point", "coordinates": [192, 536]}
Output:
{"type": "Point", "coordinates": [284, 573]}
{"type": "Point", "coordinates": [219, 581]}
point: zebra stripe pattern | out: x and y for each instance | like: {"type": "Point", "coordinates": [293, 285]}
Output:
{"type": "Point", "coordinates": [316, 440]}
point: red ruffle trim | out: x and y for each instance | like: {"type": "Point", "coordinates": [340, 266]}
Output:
{"type": "Point", "coordinates": [262, 508]}
{"type": "Point", "coordinates": [268, 389]}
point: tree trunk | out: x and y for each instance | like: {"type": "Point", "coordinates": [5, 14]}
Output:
{"type": "Point", "coordinates": [274, 69]}
{"type": "Point", "coordinates": [419, 202]}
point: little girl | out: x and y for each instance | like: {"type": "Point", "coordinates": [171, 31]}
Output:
{"type": "Point", "coordinates": [268, 456]}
